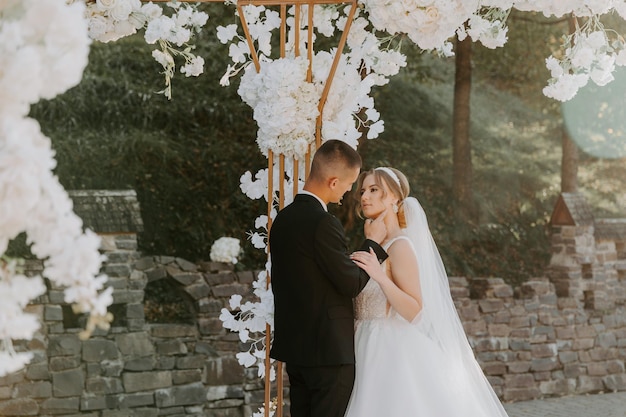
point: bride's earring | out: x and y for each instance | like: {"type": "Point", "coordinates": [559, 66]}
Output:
{"type": "Point", "coordinates": [394, 207]}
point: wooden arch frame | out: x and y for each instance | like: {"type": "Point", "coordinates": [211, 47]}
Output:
{"type": "Point", "coordinates": [283, 4]}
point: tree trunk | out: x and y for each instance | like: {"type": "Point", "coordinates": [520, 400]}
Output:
{"type": "Point", "coordinates": [461, 146]}
{"type": "Point", "coordinates": [569, 164]}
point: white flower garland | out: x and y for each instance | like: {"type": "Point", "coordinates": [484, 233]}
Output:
{"type": "Point", "coordinates": [590, 54]}
{"type": "Point", "coordinates": [44, 45]}
{"type": "Point", "coordinates": [250, 323]}
{"type": "Point", "coordinates": [110, 20]}
{"type": "Point", "coordinates": [428, 23]}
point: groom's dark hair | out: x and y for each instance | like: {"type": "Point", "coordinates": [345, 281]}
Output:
{"type": "Point", "coordinates": [333, 157]}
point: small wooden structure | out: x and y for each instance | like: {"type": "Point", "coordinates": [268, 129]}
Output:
{"type": "Point", "coordinates": [572, 209]}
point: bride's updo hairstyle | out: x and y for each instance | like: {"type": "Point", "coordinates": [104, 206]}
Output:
{"type": "Point", "coordinates": [398, 186]}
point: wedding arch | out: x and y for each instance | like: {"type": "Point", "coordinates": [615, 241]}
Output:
{"type": "Point", "coordinates": [300, 96]}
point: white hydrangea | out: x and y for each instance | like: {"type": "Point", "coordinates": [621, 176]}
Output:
{"type": "Point", "coordinates": [225, 249]}
{"type": "Point", "coordinates": [44, 45]}
{"type": "Point", "coordinates": [284, 105]}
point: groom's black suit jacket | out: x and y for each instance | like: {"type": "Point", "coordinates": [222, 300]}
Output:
{"type": "Point", "coordinates": [314, 282]}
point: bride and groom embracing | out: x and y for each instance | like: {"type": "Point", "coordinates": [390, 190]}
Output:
{"type": "Point", "coordinates": [406, 355]}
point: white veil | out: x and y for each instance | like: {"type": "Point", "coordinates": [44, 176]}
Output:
{"type": "Point", "coordinates": [440, 322]}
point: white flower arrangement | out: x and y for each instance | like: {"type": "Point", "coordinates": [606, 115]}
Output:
{"type": "Point", "coordinates": [487, 26]}
{"type": "Point", "coordinates": [250, 322]}
{"type": "Point", "coordinates": [285, 105]}
{"type": "Point", "coordinates": [110, 20]}
{"type": "Point", "coordinates": [226, 249]}
{"type": "Point", "coordinates": [44, 45]}
{"type": "Point", "coordinates": [271, 409]}
{"type": "Point", "coordinates": [428, 23]}
{"type": "Point", "coordinates": [589, 54]}
{"type": "Point", "coordinates": [16, 291]}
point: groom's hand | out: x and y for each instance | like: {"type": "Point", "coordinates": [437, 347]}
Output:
{"type": "Point", "coordinates": [375, 229]}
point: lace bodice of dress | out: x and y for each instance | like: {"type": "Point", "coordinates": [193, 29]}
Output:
{"type": "Point", "coordinates": [371, 303]}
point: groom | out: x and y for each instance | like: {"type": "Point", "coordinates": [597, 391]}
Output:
{"type": "Point", "coordinates": [314, 281]}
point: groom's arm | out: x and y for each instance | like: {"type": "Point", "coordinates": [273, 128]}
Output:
{"type": "Point", "coordinates": [333, 258]}
{"type": "Point", "coordinates": [380, 252]}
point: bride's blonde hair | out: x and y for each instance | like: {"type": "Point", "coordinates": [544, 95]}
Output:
{"type": "Point", "coordinates": [400, 190]}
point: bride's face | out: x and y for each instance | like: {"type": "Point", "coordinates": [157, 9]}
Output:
{"type": "Point", "coordinates": [375, 197]}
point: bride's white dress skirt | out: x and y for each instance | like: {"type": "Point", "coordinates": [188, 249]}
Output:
{"type": "Point", "coordinates": [401, 372]}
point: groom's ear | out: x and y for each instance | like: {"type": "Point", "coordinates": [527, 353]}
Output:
{"type": "Point", "coordinates": [332, 182]}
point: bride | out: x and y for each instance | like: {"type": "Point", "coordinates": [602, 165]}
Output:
{"type": "Point", "coordinates": [412, 355]}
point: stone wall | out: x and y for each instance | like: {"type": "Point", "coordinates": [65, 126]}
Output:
{"type": "Point", "coordinates": [531, 343]}
{"type": "Point", "coordinates": [561, 334]}
{"type": "Point", "coordinates": [138, 368]}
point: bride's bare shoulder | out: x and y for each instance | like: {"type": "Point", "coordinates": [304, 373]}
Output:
{"type": "Point", "coordinates": [400, 246]}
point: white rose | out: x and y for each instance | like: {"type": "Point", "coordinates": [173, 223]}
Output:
{"type": "Point", "coordinates": [179, 35]}
{"type": "Point", "coordinates": [431, 14]}
{"type": "Point", "coordinates": [97, 26]}
{"type": "Point", "coordinates": [226, 33]}
{"type": "Point", "coordinates": [120, 30]}
{"type": "Point", "coordinates": [106, 4]}
{"type": "Point", "coordinates": [410, 5]}
{"type": "Point", "coordinates": [121, 11]}
{"type": "Point", "coordinates": [602, 73]}
{"type": "Point", "coordinates": [135, 4]}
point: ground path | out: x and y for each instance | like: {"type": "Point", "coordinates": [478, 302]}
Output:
{"type": "Point", "coordinates": [599, 405]}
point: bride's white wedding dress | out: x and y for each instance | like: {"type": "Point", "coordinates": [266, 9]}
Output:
{"type": "Point", "coordinates": [405, 369]}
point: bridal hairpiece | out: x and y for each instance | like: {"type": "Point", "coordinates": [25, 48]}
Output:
{"type": "Point", "coordinates": [391, 174]}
